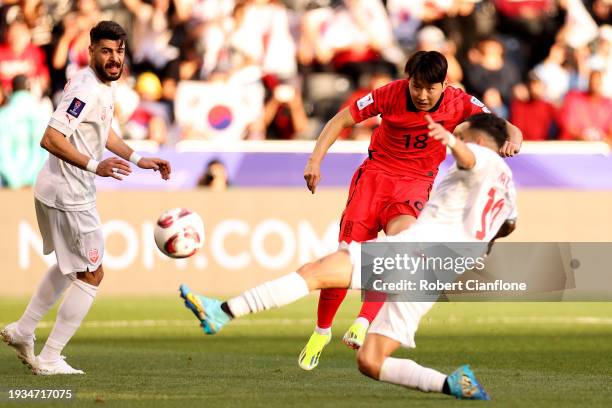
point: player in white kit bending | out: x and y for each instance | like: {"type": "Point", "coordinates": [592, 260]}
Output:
{"type": "Point", "coordinates": [65, 200]}
{"type": "Point", "coordinates": [474, 202]}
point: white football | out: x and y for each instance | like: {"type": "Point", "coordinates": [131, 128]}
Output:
{"type": "Point", "coordinates": [179, 233]}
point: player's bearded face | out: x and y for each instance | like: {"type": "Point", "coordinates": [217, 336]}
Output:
{"type": "Point", "coordinates": [425, 95]}
{"type": "Point", "coordinates": [108, 57]}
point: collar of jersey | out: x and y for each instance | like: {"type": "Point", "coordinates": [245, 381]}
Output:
{"type": "Point", "coordinates": [412, 108]}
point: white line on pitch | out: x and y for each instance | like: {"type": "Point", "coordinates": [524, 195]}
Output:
{"type": "Point", "coordinates": [306, 321]}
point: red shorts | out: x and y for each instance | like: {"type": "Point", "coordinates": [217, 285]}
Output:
{"type": "Point", "coordinates": [375, 198]}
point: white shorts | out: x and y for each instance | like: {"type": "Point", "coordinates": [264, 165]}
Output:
{"type": "Point", "coordinates": [400, 320]}
{"type": "Point", "coordinates": [75, 236]}
{"type": "Point", "coordinates": [397, 320]}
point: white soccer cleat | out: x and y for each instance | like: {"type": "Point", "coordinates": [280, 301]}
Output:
{"type": "Point", "coordinates": [58, 367]}
{"type": "Point", "coordinates": [24, 346]}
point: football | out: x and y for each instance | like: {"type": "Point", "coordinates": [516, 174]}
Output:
{"type": "Point", "coordinates": [179, 233]}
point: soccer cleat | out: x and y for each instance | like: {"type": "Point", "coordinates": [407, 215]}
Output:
{"type": "Point", "coordinates": [24, 346]}
{"type": "Point", "coordinates": [309, 357]}
{"type": "Point", "coordinates": [57, 367]}
{"type": "Point", "coordinates": [463, 385]}
{"type": "Point", "coordinates": [355, 335]}
{"type": "Point", "coordinates": [208, 311]}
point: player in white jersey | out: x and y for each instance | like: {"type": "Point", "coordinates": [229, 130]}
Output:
{"type": "Point", "coordinates": [475, 202]}
{"type": "Point", "coordinates": [65, 199]}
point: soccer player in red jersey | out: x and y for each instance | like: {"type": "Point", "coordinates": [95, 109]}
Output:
{"type": "Point", "coordinates": [390, 188]}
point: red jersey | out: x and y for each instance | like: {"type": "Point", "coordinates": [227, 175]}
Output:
{"type": "Point", "coordinates": [400, 145]}
{"type": "Point", "coordinates": [30, 63]}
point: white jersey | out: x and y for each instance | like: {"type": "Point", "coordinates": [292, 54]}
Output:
{"type": "Point", "coordinates": [469, 205]}
{"type": "Point", "coordinates": [84, 116]}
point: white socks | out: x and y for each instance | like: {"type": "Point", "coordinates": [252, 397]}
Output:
{"type": "Point", "coordinates": [279, 292]}
{"type": "Point", "coordinates": [50, 288]}
{"type": "Point", "coordinates": [71, 313]}
{"type": "Point", "coordinates": [411, 375]}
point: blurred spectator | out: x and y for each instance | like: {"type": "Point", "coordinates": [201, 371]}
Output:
{"type": "Point", "coordinates": [72, 50]}
{"type": "Point", "coordinates": [601, 10]}
{"type": "Point", "coordinates": [601, 59]}
{"type": "Point", "coordinates": [586, 115]}
{"type": "Point", "coordinates": [363, 130]}
{"type": "Point", "coordinates": [353, 40]}
{"type": "Point", "coordinates": [18, 56]}
{"type": "Point", "coordinates": [431, 38]}
{"type": "Point", "coordinates": [151, 119]}
{"type": "Point", "coordinates": [488, 69]}
{"type": "Point", "coordinates": [555, 77]}
{"type": "Point", "coordinates": [531, 113]}
{"type": "Point", "coordinates": [532, 23]}
{"type": "Point", "coordinates": [151, 49]}
{"type": "Point", "coordinates": [23, 121]}
{"type": "Point", "coordinates": [284, 115]}
{"type": "Point", "coordinates": [406, 17]}
{"type": "Point", "coordinates": [215, 176]}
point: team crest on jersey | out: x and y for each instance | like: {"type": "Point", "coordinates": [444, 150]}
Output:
{"type": "Point", "coordinates": [76, 107]}
{"type": "Point", "coordinates": [477, 102]}
{"type": "Point", "coordinates": [94, 255]}
{"type": "Point", "coordinates": [103, 115]}
{"type": "Point", "coordinates": [365, 101]}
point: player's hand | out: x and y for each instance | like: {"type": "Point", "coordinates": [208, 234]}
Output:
{"type": "Point", "coordinates": [312, 175]}
{"type": "Point", "coordinates": [509, 149]}
{"type": "Point", "coordinates": [156, 164]}
{"type": "Point", "coordinates": [437, 131]}
{"type": "Point", "coordinates": [113, 167]}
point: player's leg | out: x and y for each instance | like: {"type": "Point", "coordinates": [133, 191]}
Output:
{"type": "Point", "coordinates": [331, 299]}
{"type": "Point", "coordinates": [75, 306]}
{"type": "Point", "coordinates": [332, 271]}
{"type": "Point", "coordinates": [356, 224]}
{"type": "Point", "coordinates": [359, 223]}
{"type": "Point", "coordinates": [396, 325]}
{"type": "Point", "coordinates": [80, 258]}
{"type": "Point", "coordinates": [20, 334]}
{"type": "Point", "coordinates": [373, 301]}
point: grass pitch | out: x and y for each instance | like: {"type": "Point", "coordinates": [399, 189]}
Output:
{"type": "Point", "coordinates": [150, 352]}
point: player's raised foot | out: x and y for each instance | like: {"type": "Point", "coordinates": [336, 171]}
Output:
{"type": "Point", "coordinates": [355, 335]}
{"type": "Point", "coordinates": [208, 311]}
{"type": "Point", "coordinates": [463, 385]}
{"type": "Point", "coordinates": [311, 353]}
{"type": "Point", "coordinates": [57, 367]}
{"type": "Point", "coordinates": [24, 346]}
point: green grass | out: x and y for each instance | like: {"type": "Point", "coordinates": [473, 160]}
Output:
{"type": "Point", "coordinates": [143, 353]}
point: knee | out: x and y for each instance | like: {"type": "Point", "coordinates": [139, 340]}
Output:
{"type": "Point", "coordinates": [308, 272]}
{"type": "Point", "coordinates": [93, 278]}
{"type": "Point", "coordinates": [368, 364]}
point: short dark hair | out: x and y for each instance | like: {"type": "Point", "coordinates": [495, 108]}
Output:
{"type": "Point", "coordinates": [427, 66]}
{"type": "Point", "coordinates": [107, 30]}
{"type": "Point", "coordinates": [492, 125]}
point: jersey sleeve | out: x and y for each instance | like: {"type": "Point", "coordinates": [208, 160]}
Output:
{"type": "Point", "coordinates": [77, 101]}
{"type": "Point", "coordinates": [472, 106]}
{"type": "Point", "coordinates": [372, 104]}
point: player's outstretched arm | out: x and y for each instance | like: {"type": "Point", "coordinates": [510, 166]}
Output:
{"type": "Point", "coordinates": [116, 145]}
{"type": "Point", "coordinates": [462, 154]}
{"type": "Point", "coordinates": [55, 143]}
{"type": "Point", "coordinates": [329, 134]}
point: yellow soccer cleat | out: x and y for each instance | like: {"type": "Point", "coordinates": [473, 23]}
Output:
{"type": "Point", "coordinates": [309, 357]}
{"type": "Point", "coordinates": [355, 335]}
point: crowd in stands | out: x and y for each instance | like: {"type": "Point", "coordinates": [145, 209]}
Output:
{"type": "Point", "coordinates": [228, 70]}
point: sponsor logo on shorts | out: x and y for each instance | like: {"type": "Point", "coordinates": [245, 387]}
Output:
{"type": "Point", "coordinates": [76, 107]}
{"type": "Point", "coordinates": [365, 101]}
{"type": "Point", "coordinates": [94, 255]}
